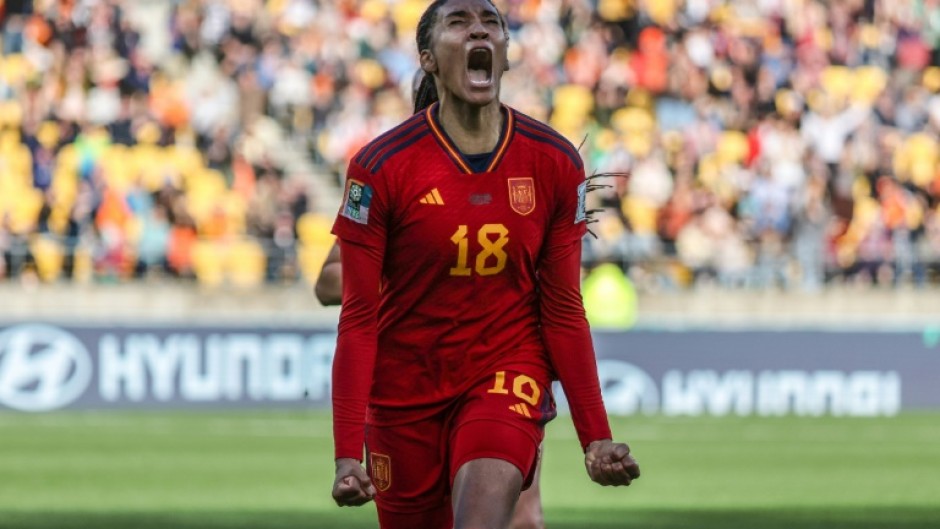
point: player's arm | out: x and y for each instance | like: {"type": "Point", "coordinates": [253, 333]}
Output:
{"type": "Point", "coordinates": [353, 366]}
{"type": "Point", "coordinates": [567, 336]}
{"type": "Point", "coordinates": [329, 287]}
{"type": "Point", "coordinates": [356, 347]}
{"type": "Point", "coordinates": [361, 229]}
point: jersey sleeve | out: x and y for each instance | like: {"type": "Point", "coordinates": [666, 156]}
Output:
{"type": "Point", "coordinates": [361, 228]}
{"type": "Point", "coordinates": [564, 326]}
{"type": "Point", "coordinates": [363, 213]}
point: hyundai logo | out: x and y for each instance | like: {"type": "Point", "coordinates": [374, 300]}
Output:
{"type": "Point", "coordinates": [627, 389]}
{"type": "Point", "coordinates": [42, 368]}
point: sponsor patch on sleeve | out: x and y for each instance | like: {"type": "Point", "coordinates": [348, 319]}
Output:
{"type": "Point", "coordinates": [356, 202]}
{"type": "Point", "coordinates": [581, 214]}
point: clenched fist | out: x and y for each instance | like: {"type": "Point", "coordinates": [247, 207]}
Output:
{"type": "Point", "coordinates": [352, 486]}
{"type": "Point", "coordinates": [610, 463]}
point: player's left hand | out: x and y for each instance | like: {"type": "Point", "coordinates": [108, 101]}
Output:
{"type": "Point", "coordinates": [610, 463]}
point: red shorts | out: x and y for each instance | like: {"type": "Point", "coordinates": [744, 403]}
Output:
{"type": "Point", "coordinates": [413, 465]}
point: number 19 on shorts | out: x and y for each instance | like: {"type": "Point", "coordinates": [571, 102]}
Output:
{"type": "Point", "coordinates": [523, 386]}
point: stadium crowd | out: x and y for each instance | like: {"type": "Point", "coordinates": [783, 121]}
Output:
{"type": "Point", "coordinates": [787, 143]}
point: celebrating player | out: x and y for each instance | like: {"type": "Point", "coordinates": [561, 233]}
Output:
{"type": "Point", "coordinates": [461, 240]}
{"type": "Point", "coordinates": [528, 513]}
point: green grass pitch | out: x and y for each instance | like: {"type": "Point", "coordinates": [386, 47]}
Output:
{"type": "Point", "coordinates": [228, 470]}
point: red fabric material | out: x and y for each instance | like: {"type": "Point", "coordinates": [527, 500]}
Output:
{"type": "Point", "coordinates": [495, 439]}
{"type": "Point", "coordinates": [478, 273]}
{"type": "Point", "coordinates": [568, 341]}
{"type": "Point", "coordinates": [438, 518]}
{"type": "Point", "coordinates": [354, 362]}
{"type": "Point", "coordinates": [419, 460]}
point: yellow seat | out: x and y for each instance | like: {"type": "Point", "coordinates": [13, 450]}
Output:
{"type": "Point", "coordinates": [916, 159]}
{"type": "Point", "coordinates": [837, 81]}
{"type": "Point", "coordinates": [732, 147]}
{"type": "Point", "coordinates": [22, 205]}
{"type": "Point", "coordinates": [641, 213]}
{"type": "Point", "coordinates": [236, 209]}
{"type": "Point", "coordinates": [313, 228]}
{"type": "Point", "coordinates": [187, 161]}
{"type": "Point", "coordinates": [615, 10]}
{"type": "Point", "coordinates": [868, 83]}
{"type": "Point", "coordinates": [203, 194]}
{"type": "Point", "coordinates": [374, 10]}
{"type": "Point", "coordinates": [245, 263]}
{"type": "Point", "coordinates": [49, 134]}
{"type": "Point", "coordinates": [311, 257]}
{"type": "Point", "coordinates": [67, 161]}
{"type": "Point", "coordinates": [116, 168]}
{"type": "Point", "coordinates": [208, 263]}
{"type": "Point", "coordinates": [49, 256]}
{"type": "Point", "coordinates": [573, 105]}
{"type": "Point", "coordinates": [83, 267]}
{"type": "Point", "coordinates": [931, 78]}
{"type": "Point", "coordinates": [407, 13]}
{"type": "Point", "coordinates": [151, 164]}
{"type": "Point", "coordinates": [15, 69]}
{"type": "Point", "coordinates": [17, 159]}
{"type": "Point", "coordinates": [633, 120]}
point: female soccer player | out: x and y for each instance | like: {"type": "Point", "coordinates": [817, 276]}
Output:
{"type": "Point", "coordinates": [461, 240]}
{"type": "Point", "coordinates": [528, 513]}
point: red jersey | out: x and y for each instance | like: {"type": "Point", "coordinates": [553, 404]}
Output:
{"type": "Point", "coordinates": [450, 275]}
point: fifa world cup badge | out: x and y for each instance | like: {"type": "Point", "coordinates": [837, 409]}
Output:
{"type": "Point", "coordinates": [357, 201]}
{"type": "Point", "coordinates": [581, 214]}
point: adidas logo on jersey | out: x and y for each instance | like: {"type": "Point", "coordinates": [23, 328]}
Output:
{"type": "Point", "coordinates": [433, 198]}
{"type": "Point", "coordinates": [521, 409]}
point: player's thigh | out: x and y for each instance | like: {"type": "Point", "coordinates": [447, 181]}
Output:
{"type": "Point", "coordinates": [528, 512]}
{"type": "Point", "coordinates": [485, 492]}
{"type": "Point", "coordinates": [408, 467]}
{"type": "Point", "coordinates": [502, 418]}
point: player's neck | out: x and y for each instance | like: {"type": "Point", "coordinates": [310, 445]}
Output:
{"type": "Point", "coordinates": [473, 129]}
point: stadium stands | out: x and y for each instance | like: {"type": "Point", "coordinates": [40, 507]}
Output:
{"type": "Point", "coordinates": [789, 144]}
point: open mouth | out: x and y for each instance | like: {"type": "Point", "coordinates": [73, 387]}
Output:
{"type": "Point", "coordinates": [480, 66]}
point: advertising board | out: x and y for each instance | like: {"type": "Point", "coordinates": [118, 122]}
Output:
{"type": "Point", "coordinates": [45, 367]}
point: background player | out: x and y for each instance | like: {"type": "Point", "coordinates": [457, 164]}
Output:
{"type": "Point", "coordinates": [476, 295]}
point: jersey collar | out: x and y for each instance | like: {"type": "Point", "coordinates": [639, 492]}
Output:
{"type": "Point", "coordinates": [454, 153]}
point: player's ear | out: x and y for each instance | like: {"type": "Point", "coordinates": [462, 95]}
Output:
{"type": "Point", "coordinates": [428, 62]}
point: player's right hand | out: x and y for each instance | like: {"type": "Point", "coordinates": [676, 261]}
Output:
{"type": "Point", "coordinates": [609, 463]}
{"type": "Point", "coordinates": [352, 486]}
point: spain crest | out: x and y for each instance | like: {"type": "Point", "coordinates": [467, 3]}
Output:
{"type": "Point", "coordinates": [522, 195]}
{"type": "Point", "coordinates": [381, 470]}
